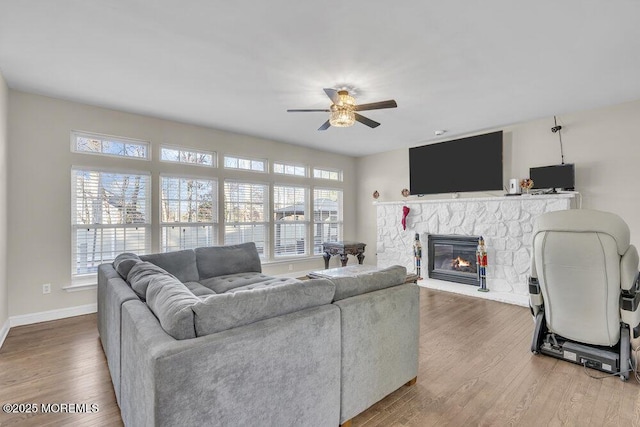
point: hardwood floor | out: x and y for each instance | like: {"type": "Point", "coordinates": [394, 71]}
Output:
{"type": "Point", "coordinates": [53, 363]}
{"type": "Point", "coordinates": [475, 370]}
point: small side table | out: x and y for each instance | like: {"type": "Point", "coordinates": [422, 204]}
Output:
{"type": "Point", "coordinates": [343, 249]}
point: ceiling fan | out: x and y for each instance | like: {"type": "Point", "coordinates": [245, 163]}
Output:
{"type": "Point", "coordinates": [343, 110]}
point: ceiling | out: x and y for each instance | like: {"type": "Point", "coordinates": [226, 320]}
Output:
{"type": "Point", "coordinates": [239, 65]}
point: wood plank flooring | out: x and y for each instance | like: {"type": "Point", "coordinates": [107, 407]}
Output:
{"type": "Point", "coordinates": [475, 370]}
{"type": "Point", "coordinates": [57, 362]}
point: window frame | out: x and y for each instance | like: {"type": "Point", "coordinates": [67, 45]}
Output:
{"type": "Point", "coordinates": [285, 164]}
{"type": "Point", "coordinates": [339, 223]}
{"type": "Point", "coordinates": [80, 279]}
{"type": "Point", "coordinates": [215, 223]}
{"type": "Point", "coordinates": [267, 250]}
{"type": "Point", "coordinates": [251, 159]}
{"type": "Point", "coordinates": [305, 223]}
{"type": "Point", "coordinates": [77, 133]}
{"type": "Point", "coordinates": [214, 156]}
{"type": "Point", "coordinates": [340, 173]}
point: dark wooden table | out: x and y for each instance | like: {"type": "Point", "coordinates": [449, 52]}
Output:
{"type": "Point", "coordinates": [343, 249]}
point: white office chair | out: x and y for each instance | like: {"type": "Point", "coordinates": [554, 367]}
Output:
{"type": "Point", "coordinates": [584, 289]}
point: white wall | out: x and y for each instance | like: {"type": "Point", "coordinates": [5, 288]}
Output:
{"type": "Point", "coordinates": [604, 144]}
{"type": "Point", "coordinates": [40, 161]}
{"type": "Point", "coordinates": [4, 301]}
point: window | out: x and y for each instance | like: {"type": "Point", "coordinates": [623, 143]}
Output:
{"type": "Point", "coordinates": [179, 155]}
{"type": "Point", "coordinates": [110, 215]}
{"type": "Point", "coordinates": [188, 213]}
{"type": "Point", "coordinates": [109, 145]}
{"type": "Point", "coordinates": [327, 217]}
{"type": "Point", "coordinates": [255, 165]}
{"type": "Point", "coordinates": [290, 223]}
{"type": "Point", "coordinates": [334, 175]}
{"type": "Point", "coordinates": [289, 169]}
{"type": "Point", "coordinates": [245, 214]}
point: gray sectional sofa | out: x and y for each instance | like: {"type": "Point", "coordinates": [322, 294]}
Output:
{"type": "Point", "coordinates": [202, 337]}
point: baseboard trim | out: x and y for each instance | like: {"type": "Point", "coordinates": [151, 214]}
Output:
{"type": "Point", "coordinates": [45, 316]}
{"type": "Point", "coordinates": [472, 291]}
{"type": "Point", "coordinates": [4, 331]}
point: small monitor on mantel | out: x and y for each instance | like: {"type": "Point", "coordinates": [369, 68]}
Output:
{"type": "Point", "coordinates": [551, 177]}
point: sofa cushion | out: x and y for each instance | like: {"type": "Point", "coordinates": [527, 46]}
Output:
{"type": "Point", "coordinates": [182, 264]}
{"type": "Point", "coordinates": [225, 283]}
{"type": "Point", "coordinates": [124, 262]}
{"type": "Point", "coordinates": [217, 261]}
{"type": "Point", "coordinates": [198, 290]}
{"type": "Point", "coordinates": [220, 312]}
{"type": "Point", "coordinates": [368, 282]}
{"type": "Point", "coordinates": [269, 281]}
{"type": "Point", "coordinates": [141, 274]}
{"type": "Point", "coordinates": [171, 302]}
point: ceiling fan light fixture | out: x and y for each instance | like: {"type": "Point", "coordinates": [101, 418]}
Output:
{"type": "Point", "coordinates": [343, 114]}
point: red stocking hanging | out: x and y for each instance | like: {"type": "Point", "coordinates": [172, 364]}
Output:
{"type": "Point", "coordinates": [405, 212]}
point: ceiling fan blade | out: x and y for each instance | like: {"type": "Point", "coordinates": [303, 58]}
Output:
{"type": "Point", "coordinates": [307, 111]}
{"type": "Point", "coordinates": [365, 121]}
{"type": "Point", "coordinates": [325, 125]}
{"type": "Point", "coordinates": [333, 95]}
{"type": "Point", "coordinates": [377, 105]}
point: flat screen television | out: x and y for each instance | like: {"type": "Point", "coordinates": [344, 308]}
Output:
{"type": "Point", "coordinates": [467, 164]}
{"type": "Point", "coordinates": [556, 176]}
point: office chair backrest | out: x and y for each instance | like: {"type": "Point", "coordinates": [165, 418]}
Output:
{"type": "Point", "coordinates": [576, 257]}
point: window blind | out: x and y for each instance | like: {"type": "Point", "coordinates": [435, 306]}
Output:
{"type": "Point", "coordinates": [327, 217]}
{"type": "Point", "coordinates": [245, 211]}
{"type": "Point", "coordinates": [189, 213]}
{"type": "Point", "coordinates": [290, 222]}
{"type": "Point", "coordinates": [110, 215]}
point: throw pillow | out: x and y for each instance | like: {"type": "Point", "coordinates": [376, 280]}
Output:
{"type": "Point", "coordinates": [141, 274]}
{"type": "Point", "coordinates": [171, 302]}
{"type": "Point", "coordinates": [220, 312]}
{"type": "Point", "coordinates": [124, 262]}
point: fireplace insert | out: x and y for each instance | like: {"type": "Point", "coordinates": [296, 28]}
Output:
{"type": "Point", "coordinates": [453, 258]}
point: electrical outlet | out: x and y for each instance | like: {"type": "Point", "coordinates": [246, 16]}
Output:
{"type": "Point", "coordinates": [46, 288]}
{"type": "Point", "coordinates": [290, 267]}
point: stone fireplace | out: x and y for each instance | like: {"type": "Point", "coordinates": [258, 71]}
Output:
{"type": "Point", "coordinates": [506, 223]}
{"type": "Point", "coordinates": [452, 258]}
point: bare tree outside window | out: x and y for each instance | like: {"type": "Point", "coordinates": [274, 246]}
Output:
{"type": "Point", "coordinates": [189, 213]}
{"type": "Point", "coordinates": [179, 155]}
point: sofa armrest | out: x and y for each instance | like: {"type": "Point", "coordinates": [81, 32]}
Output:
{"type": "Point", "coordinates": [380, 342]}
{"type": "Point", "coordinates": [112, 293]}
{"type": "Point", "coordinates": [350, 286]}
{"type": "Point", "coordinates": [234, 377]}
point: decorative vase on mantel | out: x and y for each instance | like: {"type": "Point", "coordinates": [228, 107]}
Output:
{"type": "Point", "coordinates": [526, 184]}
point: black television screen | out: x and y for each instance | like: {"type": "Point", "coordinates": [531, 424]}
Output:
{"type": "Point", "coordinates": [467, 164]}
{"type": "Point", "coordinates": [557, 176]}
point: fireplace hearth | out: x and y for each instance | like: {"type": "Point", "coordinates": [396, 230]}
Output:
{"type": "Point", "coordinates": [453, 258]}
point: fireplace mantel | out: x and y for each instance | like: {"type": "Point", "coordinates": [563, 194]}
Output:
{"type": "Point", "coordinates": [412, 200]}
{"type": "Point", "coordinates": [505, 223]}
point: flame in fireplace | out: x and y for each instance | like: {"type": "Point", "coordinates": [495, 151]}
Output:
{"type": "Point", "coordinates": [460, 263]}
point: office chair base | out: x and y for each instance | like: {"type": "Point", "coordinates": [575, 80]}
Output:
{"type": "Point", "coordinates": [592, 357]}
{"type": "Point", "coordinates": [612, 360]}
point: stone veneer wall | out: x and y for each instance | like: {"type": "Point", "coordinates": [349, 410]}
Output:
{"type": "Point", "coordinates": [505, 223]}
